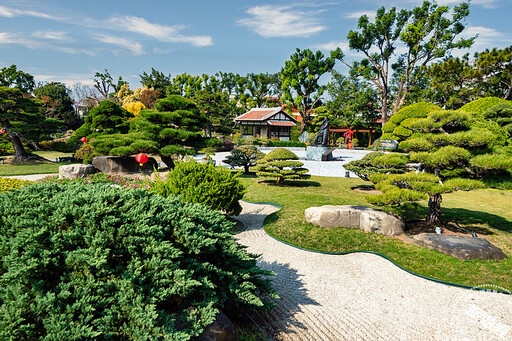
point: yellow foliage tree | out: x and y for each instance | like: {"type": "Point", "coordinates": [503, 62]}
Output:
{"type": "Point", "coordinates": [134, 107]}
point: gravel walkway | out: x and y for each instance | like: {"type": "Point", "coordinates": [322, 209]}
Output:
{"type": "Point", "coordinates": [365, 297]}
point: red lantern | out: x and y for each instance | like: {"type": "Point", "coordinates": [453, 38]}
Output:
{"type": "Point", "coordinates": [83, 139]}
{"type": "Point", "coordinates": [141, 158]}
{"type": "Point", "coordinates": [3, 131]}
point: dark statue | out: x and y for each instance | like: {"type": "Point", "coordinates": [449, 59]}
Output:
{"type": "Point", "coordinates": [322, 138]}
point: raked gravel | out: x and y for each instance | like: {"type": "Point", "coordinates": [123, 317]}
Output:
{"type": "Point", "coordinates": [365, 297]}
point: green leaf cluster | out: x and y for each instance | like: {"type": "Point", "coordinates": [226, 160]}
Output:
{"type": "Point", "coordinates": [81, 262]}
{"type": "Point", "coordinates": [377, 162]}
{"type": "Point", "coordinates": [481, 105]}
{"type": "Point", "coordinates": [244, 156]}
{"type": "Point", "coordinates": [281, 164]}
{"type": "Point", "coordinates": [399, 125]}
{"type": "Point", "coordinates": [201, 183]}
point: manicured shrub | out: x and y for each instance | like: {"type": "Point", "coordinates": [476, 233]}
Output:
{"type": "Point", "coordinates": [279, 143]}
{"type": "Point", "coordinates": [281, 164]}
{"type": "Point", "coordinates": [9, 184]}
{"type": "Point", "coordinates": [244, 156]}
{"type": "Point", "coordinates": [201, 183]}
{"type": "Point", "coordinates": [98, 262]}
{"type": "Point", "coordinates": [377, 162]}
{"type": "Point", "coordinates": [481, 105]}
{"type": "Point", "coordinates": [399, 131]}
{"type": "Point", "coordinates": [85, 153]}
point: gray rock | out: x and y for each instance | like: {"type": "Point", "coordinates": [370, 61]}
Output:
{"type": "Point", "coordinates": [122, 164]}
{"type": "Point", "coordinates": [365, 218]}
{"type": "Point", "coordinates": [74, 171]}
{"type": "Point", "coordinates": [316, 153]}
{"type": "Point", "coordinates": [381, 222]}
{"type": "Point", "coordinates": [222, 329]}
{"type": "Point", "coordinates": [461, 247]}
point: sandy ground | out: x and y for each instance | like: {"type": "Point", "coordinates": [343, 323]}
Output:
{"type": "Point", "coordinates": [365, 297]}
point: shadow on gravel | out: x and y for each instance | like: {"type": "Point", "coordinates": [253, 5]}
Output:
{"type": "Point", "coordinates": [292, 295]}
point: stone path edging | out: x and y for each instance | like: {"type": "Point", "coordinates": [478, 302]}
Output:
{"type": "Point", "coordinates": [362, 296]}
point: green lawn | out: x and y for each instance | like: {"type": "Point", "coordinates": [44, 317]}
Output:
{"type": "Point", "coordinates": [36, 167]}
{"type": "Point", "coordinates": [485, 211]}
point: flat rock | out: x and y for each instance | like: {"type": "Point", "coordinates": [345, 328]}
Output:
{"type": "Point", "coordinates": [353, 216]}
{"type": "Point", "coordinates": [75, 171]}
{"type": "Point", "coordinates": [222, 329]}
{"type": "Point", "coordinates": [461, 247]}
{"type": "Point", "coordinates": [122, 164]}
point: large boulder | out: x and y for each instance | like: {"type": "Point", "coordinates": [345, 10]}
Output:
{"type": "Point", "coordinates": [461, 247]}
{"type": "Point", "coordinates": [365, 218]}
{"type": "Point", "coordinates": [222, 329]}
{"type": "Point", "coordinates": [76, 171]}
{"type": "Point", "coordinates": [122, 164]}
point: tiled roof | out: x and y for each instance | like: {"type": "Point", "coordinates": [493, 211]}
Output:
{"type": "Point", "coordinates": [281, 123]}
{"type": "Point", "coordinates": [258, 114]}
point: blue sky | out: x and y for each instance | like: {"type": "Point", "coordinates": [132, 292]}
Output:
{"type": "Point", "coordinates": [70, 40]}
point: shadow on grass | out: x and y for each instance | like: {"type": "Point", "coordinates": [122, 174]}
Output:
{"type": "Point", "coordinates": [472, 220]}
{"type": "Point", "coordinates": [293, 295]}
{"type": "Point", "coordinates": [291, 183]}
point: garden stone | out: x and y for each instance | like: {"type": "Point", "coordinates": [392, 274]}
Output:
{"type": "Point", "coordinates": [222, 329]}
{"type": "Point", "coordinates": [381, 222]}
{"type": "Point", "coordinates": [352, 216]}
{"type": "Point", "coordinates": [76, 171]}
{"type": "Point", "coordinates": [461, 247]}
{"type": "Point", "coordinates": [122, 164]}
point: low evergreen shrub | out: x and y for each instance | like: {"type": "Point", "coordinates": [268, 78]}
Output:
{"type": "Point", "coordinates": [481, 105]}
{"type": "Point", "coordinates": [99, 262]}
{"type": "Point", "coordinates": [201, 183]}
{"type": "Point", "coordinates": [282, 165]}
{"type": "Point", "coordinates": [279, 143]}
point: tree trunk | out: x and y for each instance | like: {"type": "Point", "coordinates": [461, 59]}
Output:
{"type": "Point", "coordinates": [246, 168]}
{"type": "Point", "coordinates": [169, 162]}
{"type": "Point", "coordinates": [20, 154]}
{"type": "Point", "coordinates": [384, 109]}
{"type": "Point", "coordinates": [434, 210]}
{"type": "Point", "coordinates": [302, 125]}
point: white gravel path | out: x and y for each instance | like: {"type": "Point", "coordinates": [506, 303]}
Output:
{"type": "Point", "coordinates": [365, 297]}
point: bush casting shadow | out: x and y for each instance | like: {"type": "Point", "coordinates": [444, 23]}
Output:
{"type": "Point", "coordinates": [471, 219]}
{"type": "Point", "coordinates": [291, 183]}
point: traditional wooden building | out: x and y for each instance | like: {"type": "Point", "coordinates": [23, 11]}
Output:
{"type": "Point", "coordinates": [266, 122]}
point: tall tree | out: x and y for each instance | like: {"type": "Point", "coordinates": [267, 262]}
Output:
{"type": "Point", "coordinates": [300, 79]}
{"type": "Point", "coordinates": [352, 100]}
{"type": "Point", "coordinates": [104, 83]}
{"type": "Point", "coordinates": [263, 87]}
{"type": "Point", "coordinates": [426, 33]}
{"type": "Point", "coordinates": [494, 70]}
{"type": "Point", "coordinates": [21, 116]}
{"type": "Point", "coordinates": [218, 110]}
{"type": "Point", "coordinates": [57, 103]}
{"type": "Point", "coordinates": [156, 80]}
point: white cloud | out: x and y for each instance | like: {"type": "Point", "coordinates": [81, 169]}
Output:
{"type": "Point", "coordinates": [18, 39]}
{"type": "Point", "coordinates": [134, 47]}
{"type": "Point", "coordinates": [169, 34]}
{"type": "Point", "coordinates": [14, 12]}
{"type": "Point", "coordinates": [51, 35]}
{"type": "Point", "coordinates": [67, 79]}
{"type": "Point", "coordinates": [488, 38]}
{"type": "Point", "coordinates": [281, 21]}
{"type": "Point", "coordinates": [332, 45]}
{"type": "Point", "coordinates": [356, 15]}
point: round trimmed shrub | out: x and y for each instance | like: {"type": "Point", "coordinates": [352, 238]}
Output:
{"type": "Point", "coordinates": [481, 105]}
{"type": "Point", "coordinates": [282, 165]}
{"type": "Point", "coordinates": [202, 183]}
{"type": "Point", "coordinates": [395, 130]}
{"type": "Point", "coordinates": [100, 262]}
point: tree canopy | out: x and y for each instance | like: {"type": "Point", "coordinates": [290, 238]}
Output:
{"type": "Point", "coordinates": [427, 32]}
{"type": "Point", "coordinates": [169, 130]}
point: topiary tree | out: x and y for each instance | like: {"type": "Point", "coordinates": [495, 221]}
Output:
{"type": "Point", "coordinates": [481, 105]}
{"type": "Point", "coordinates": [202, 183]}
{"type": "Point", "coordinates": [281, 164]}
{"type": "Point", "coordinates": [501, 114]}
{"type": "Point", "coordinates": [244, 156]}
{"type": "Point", "coordinates": [105, 119]}
{"type": "Point", "coordinates": [454, 150]}
{"type": "Point", "coordinates": [83, 262]}
{"type": "Point", "coordinates": [398, 126]}
{"type": "Point", "coordinates": [170, 130]}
